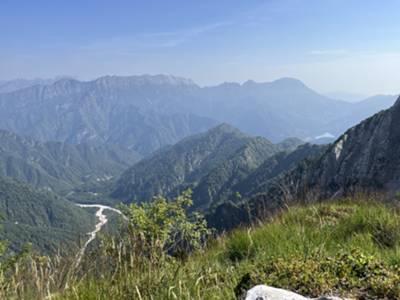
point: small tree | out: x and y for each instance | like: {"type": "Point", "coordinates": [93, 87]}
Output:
{"type": "Point", "coordinates": [164, 227]}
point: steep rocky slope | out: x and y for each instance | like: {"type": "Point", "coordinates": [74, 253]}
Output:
{"type": "Point", "coordinates": [259, 180]}
{"type": "Point", "coordinates": [365, 157]}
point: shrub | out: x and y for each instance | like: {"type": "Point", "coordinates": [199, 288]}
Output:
{"type": "Point", "coordinates": [165, 227]}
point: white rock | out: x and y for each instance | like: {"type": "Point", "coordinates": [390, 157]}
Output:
{"type": "Point", "coordinates": [263, 292]}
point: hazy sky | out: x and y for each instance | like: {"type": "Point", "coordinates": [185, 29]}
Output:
{"type": "Point", "coordinates": [332, 45]}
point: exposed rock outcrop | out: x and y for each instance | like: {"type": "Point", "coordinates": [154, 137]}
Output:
{"type": "Point", "coordinates": [366, 157]}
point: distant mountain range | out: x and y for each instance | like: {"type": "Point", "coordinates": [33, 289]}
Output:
{"type": "Point", "coordinates": [345, 96]}
{"type": "Point", "coordinates": [361, 111]}
{"type": "Point", "coordinates": [135, 112]}
{"type": "Point", "coordinates": [145, 113]}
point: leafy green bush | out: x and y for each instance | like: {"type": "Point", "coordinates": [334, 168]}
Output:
{"type": "Point", "coordinates": [165, 227]}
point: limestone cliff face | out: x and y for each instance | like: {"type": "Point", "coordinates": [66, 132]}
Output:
{"type": "Point", "coordinates": [367, 156]}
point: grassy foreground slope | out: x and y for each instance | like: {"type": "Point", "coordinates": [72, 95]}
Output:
{"type": "Point", "coordinates": [345, 248]}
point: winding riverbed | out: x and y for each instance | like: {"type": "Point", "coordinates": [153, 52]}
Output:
{"type": "Point", "coordinates": [102, 221]}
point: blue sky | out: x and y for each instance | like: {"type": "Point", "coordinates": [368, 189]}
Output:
{"type": "Point", "coordinates": [332, 45]}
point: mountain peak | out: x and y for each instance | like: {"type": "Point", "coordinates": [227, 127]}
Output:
{"type": "Point", "coordinates": [229, 84]}
{"type": "Point", "coordinates": [397, 103]}
{"type": "Point", "coordinates": [172, 80]}
{"type": "Point", "coordinates": [287, 82]}
{"type": "Point", "coordinates": [396, 109]}
{"type": "Point", "coordinates": [249, 83]}
{"type": "Point", "coordinates": [292, 142]}
{"type": "Point", "coordinates": [145, 79]}
{"type": "Point", "coordinates": [281, 83]}
{"type": "Point", "coordinates": [225, 128]}
{"type": "Point", "coordinates": [66, 81]}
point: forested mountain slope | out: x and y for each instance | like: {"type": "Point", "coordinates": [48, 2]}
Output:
{"type": "Point", "coordinates": [40, 218]}
{"type": "Point", "coordinates": [60, 166]}
{"type": "Point", "coordinates": [211, 164]}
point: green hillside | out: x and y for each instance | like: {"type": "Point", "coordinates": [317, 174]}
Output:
{"type": "Point", "coordinates": [211, 163]}
{"type": "Point", "coordinates": [40, 218]}
{"type": "Point", "coordinates": [59, 166]}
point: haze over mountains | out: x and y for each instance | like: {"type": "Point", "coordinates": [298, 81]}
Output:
{"type": "Point", "coordinates": [145, 113]}
{"type": "Point", "coordinates": [345, 96]}
{"type": "Point", "coordinates": [137, 113]}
